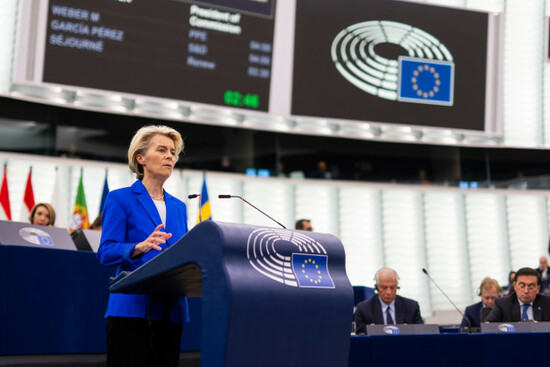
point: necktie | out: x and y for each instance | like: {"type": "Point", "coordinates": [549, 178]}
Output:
{"type": "Point", "coordinates": [389, 320]}
{"type": "Point", "coordinates": [524, 316]}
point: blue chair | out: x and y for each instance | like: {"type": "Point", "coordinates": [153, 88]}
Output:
{"type": "Point", "coordinates": [362, 293]}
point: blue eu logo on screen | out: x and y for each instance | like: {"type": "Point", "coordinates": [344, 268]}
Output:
{"type": "Point", "coordinates": [425, 81]}
{"type": "Point", "coordinates": [45, 240]}
{"type": "Point", "coordinates": [312, 271]}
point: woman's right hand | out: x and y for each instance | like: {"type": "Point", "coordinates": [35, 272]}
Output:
{"type": "Point", "coordinates": [151, 242]}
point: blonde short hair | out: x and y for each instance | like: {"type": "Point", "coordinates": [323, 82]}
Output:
{"type": "Point", "coordinates": [50, 210]}
{"type": "Point", "coordinates": [141, 141]}
{"type": "Point", "coordinates": [488, 283]}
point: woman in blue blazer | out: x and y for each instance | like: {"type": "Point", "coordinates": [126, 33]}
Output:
{"type": "Point", "coordinates": [139, 222]}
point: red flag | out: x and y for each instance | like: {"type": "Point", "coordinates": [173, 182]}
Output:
{"type": "Point", "coordinates": [5, 213]}
{"type": "Point", "coordinates": [28, 200]}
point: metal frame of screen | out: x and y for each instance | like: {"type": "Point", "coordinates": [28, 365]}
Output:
{"type": "Point", "coordinates": [28, 70]}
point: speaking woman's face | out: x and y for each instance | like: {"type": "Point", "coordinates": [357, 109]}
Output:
{"type": "Point", "coordinates": [159, 159]}
{"type": "Point", "coordinates": [41, 216]}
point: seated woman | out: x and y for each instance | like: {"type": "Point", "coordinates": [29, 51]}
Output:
{"type": "Point", "coordinates": [97, 223]}
{"type": "Point", "coordinates": [42, 214]}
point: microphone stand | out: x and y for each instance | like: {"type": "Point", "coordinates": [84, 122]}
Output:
{"type": "Point", "coordinates": [192, 196]}
{"type": "Point", "coordinates": [236, 196]}
{"type": "Point", "coordinates": [451, 302]}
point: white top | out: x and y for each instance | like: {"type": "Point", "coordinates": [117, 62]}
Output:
{"type": "Point", "coordinates": [161, 207]}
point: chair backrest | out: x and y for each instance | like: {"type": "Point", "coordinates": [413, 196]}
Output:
{"type": "Point", "coordinates": [362, 293]}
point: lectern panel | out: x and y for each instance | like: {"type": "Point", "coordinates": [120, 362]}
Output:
{"type": "Point", "coordinates": [25, 234]}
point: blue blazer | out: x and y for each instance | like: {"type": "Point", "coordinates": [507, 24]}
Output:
{"type": "Point", "coordinates": [129, 217]}
{"type": "Point", "coordinates": [473, 313]}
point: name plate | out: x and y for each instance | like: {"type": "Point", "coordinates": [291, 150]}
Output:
{"type": "Point", "coordinates": [25, 234]}
{"type": "Point", "coordinates": [402, 329]}
{"type": "Point", "coordinates": [515, 327]}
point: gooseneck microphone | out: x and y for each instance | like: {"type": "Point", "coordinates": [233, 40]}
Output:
{"type": "Point", "coordinates": [192, 196]}
{"type": "Point", "coordinates": [236, 196]}
{"type": "Point", "coordinates": [452, 303]}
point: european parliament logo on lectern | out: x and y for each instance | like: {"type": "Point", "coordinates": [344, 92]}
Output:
{"type": "Point", "coordinates": [289, 257]}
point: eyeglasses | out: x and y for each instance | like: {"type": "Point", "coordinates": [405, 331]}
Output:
{"type": "Point", "coordinates": [531, 286]}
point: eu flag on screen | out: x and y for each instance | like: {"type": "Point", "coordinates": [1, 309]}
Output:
{"type": "Point", "coordinates": [426, 81]}
{"type": "Point", "coordinates": [312, 271]}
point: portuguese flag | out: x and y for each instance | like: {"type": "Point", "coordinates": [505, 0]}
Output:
{"type": "Point", "coordinates": [80, 211]}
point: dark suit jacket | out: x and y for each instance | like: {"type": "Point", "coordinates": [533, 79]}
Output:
{"type": "Point", "coordinates": [507, 309]}
{"type": "Point", "coordinates": [369, 312]}
{"type": "Point", "coordinates": [473, 313]}
{"type": "Point", "coordinates": [129, 217]}
{"type": "Point", "coordinates": [544, 283]}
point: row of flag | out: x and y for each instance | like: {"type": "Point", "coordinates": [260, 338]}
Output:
{"type": "Point", "coordinates": [79, 218]}
{"type": "Point", "coordinates": [204, 213]}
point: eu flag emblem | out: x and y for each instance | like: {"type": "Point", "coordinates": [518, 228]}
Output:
{"type": "Point", "coordinates": [425, 81]}
{"type": "Point", "coordinates": [312, 270]}
{"type": "Point", "coordinates": [45, 240]}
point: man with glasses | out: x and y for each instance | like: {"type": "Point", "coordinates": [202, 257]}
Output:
{"type": "Point", "coordinates": [526, 304]}
{"type": "Point", "coordinates": [387, 308]}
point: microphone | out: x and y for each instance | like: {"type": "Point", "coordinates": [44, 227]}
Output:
{"type": "Point", "coordinates": [192, 196]}
{"type": "Point", "coordinates": [236, 196]}
{"type": "Point", "coordinates": [452, 303]}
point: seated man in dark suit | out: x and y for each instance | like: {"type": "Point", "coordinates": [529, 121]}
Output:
{"type": "Point", "coordinates": [544, 275]}
{"type": "Point", "coordinates": [489, 290]}
{"type": "Point", "coordinates": [386, 308]}
{"type": "Point", "coordinates": [526, 304]}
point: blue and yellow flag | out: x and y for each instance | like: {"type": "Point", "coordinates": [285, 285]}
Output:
{"type": "Point", "coordinates": [205, 213]}
{"type": "Point", "coordinates": [426, 81]}
{"type": "Point", "coordinates": [311, 271]}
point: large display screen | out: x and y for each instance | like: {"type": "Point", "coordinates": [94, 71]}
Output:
{"type": "Point", "coordinates": [392, 62]}
{"type": "Point", "coordinates": [202, 51]}
{"type": "Point", "coordinates": [305, 62]}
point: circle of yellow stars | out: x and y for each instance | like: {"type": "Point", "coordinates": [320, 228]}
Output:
{"type": "Point", "coordinates": [319, 277]}
{"type": "Point", "coordinates": [414, 80]}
